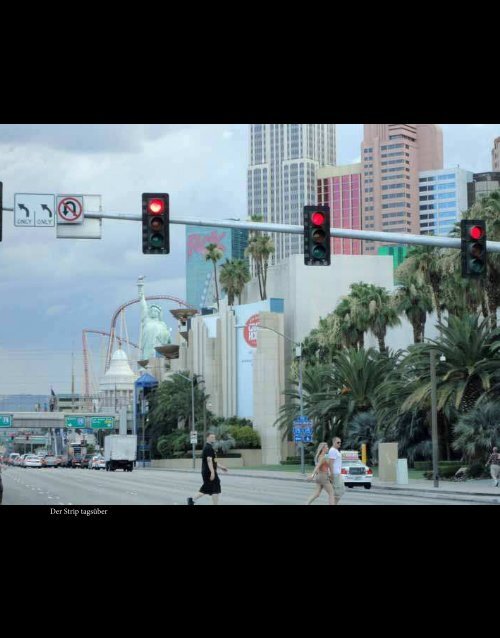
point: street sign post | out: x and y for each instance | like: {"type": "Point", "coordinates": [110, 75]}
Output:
{"type": "Point", "coordinates": [302, 433]}
{"type": "Point", "coordinates": [102, 422]}
{"type": "Point", "coordinates": [5, 420]}
{"type": "Point", "coordinates": [194, 437]}
{"type": "Point", "coordinates": [74, 421]}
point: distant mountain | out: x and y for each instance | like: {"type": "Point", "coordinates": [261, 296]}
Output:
{"type": "Point", "coordinates": [24, 402]}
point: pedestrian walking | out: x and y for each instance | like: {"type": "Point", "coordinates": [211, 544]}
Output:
{"type": "Point", "coordinates": [494, 463]}
{"type": "Point", "coordinates": [209, 465]}
{"type": "Point", "coordinates": [321, 474]}
{"type": "Point", "coordinates": [335, 461]}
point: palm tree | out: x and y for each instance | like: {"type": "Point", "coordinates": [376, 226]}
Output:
{"type": "Point", "coordinates": [260, 248]}
{"type": "Point", "coordinates": [234, 274]}
{"type": "Point", "coordinates": [352, 380]}
{"type": "Point", "coordinates": [478, 431]}
{"type": "Point", "coordinates": [425, 263]}
{"type": "Point", "coordinates": [471, 365]}
{"type": "Point", "coordinates": [382, 314]}
{"type": "Point", "coordinates": [413, 298]}
{"type": "Point", "coordinates": [315, 387]}
{"type": "Point", "coordinates": [214, 254]}
{"type": "Point", "coordinates": [488, 208]}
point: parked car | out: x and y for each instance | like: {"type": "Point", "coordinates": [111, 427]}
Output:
{"type": "Point", "coordinates": [49, 461]}
{"type": "Point", "coordinates": [354, 471]}
{"type": "Point", "coordinates": [32, 460]}
{"type": "Point", "coordinates": [19, 462]}
{"type": "Point", "coordinates": [61, 461]}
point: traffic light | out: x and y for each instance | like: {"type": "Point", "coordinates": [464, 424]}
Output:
{"type": "Point", "coordinates": [317, 235]}
{"type": "Point", "coordinates": [473, 248]}
{"type": "Point", "coordinates": [155, 224]}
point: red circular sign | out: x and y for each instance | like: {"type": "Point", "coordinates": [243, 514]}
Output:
{"type": "Point", "coordinates": [250, 331]}
{"type": "Point", "coordinates": [70, 209]}
{"type": "Point", "coordinates": [476, 232]}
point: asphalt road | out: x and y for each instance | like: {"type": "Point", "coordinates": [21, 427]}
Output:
{"type": "Point", "coordinates": [65, 486]}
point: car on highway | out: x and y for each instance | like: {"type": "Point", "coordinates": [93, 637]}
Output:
{"type": "Point", "coordinates": [97, 463]}
{"type": "Point", "coordinates": [49, 460]}
{"type": "Point", "coordinates": [19, 461]}
{"type": "Point", "coordinates": [32, 460]}
{"type": "Point", "coordinates": [86, 458]}
{"type": "Point", "coordinates": [76, 461]}
{"type": "Point", "coordinates": [354, 471]}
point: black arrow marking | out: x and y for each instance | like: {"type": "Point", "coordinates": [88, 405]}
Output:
{"type": "Point", "coordinates": [45, 207]}
{"type": "Point", "coordinates": [26, 209]}
{"type": "Point", "coordinates": [69, 207]}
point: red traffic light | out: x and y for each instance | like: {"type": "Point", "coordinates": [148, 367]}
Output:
{"type": "Point", "coordinates": [156, 206]}
{"type": "Point", "coordinates": [318, 219]}
{"type": "Point", "coordinates": [476, 232]}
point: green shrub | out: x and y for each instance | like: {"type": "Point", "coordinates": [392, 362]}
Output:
{"type": "Point", "coordinates": [446, 469]}
{"type": "Point", "coordinates": [245, 436]}
{"type": "Point", "coordinates": [173, 444]}
{"type": "Point", "coordinates": [476, 470]}
{"type": "Point", "coordinates": [422, 466]}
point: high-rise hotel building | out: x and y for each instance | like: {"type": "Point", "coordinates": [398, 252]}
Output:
{"type": "Point", "coordinates": [339, 187]}
{"type": "Point", "coordinates": [392, 156]}
{"type": "Point", "coordinates": [495, 155]}
{"type": "Point", "coordinates": [282, 175]}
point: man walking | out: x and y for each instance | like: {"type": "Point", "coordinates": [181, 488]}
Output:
{"type": "Point", "coordinates": [494, 463]}
{"type": "Point", "coordinates": [335, 461]}
{"type": "Point", "coordinates": [209, 464]}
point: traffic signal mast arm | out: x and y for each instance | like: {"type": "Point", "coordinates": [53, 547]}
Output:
{"type": "Point", "coordinates": [366, 235]}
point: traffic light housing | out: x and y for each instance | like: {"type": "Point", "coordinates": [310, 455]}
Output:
{"type": "Point", "coordinates": [473, 248]}
{"type": "Point", "coordinates": [155, 224]}
{"type": "Point", "coordinates": [317, 244]}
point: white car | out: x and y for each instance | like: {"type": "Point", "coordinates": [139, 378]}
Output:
{"type": "Point", "coordinates": [354, 471]}
{"type": "Point", "coordinates": [97, 463]}
{"type": "Point", "coordinates": [32, 461]}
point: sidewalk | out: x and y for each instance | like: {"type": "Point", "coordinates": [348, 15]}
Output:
{"type": "Point", "coordinates": [481, 487]}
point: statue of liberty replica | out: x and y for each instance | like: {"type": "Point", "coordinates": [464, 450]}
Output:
{"type": "Point", "coordinates": [154, 331]}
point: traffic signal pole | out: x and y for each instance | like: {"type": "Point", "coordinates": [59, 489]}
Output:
{"type": "Point", "coordinates": [366, 235]}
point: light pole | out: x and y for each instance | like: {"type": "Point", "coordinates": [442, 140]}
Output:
{"type": "Point", "coordinates": [192, 412]}
{"type": "Point", "coordinates": [435, 442]}
{"type": "Point", "coordinates": [298, 354]}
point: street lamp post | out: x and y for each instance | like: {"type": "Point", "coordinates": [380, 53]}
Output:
{"type": "Point", "coordinates": [435, 441]}
{"type": "Point", "coordinates": [193, 427]}
{"type": "Point", "coordinates": [298, 353]}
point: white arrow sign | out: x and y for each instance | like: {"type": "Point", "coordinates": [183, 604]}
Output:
{"type": "Point", "coordinates": [34, 209]}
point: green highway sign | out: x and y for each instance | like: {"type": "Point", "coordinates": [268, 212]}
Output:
{"type": "Point", "coordinates": [5, 420]}
{"type": "Point", "coordinates": [102, 422]}
{"type": "Point", "coordinates": [74, 421]}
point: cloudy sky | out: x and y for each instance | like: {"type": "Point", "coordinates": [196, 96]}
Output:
{"type": "Point", "coordinates": [53, 288]}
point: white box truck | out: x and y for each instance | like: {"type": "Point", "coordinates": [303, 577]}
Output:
{"type": "Point", "coordinates": [120, 451]}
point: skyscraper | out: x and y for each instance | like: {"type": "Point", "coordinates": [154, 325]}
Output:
{"type": "Point", "coordinates": [200, 284]}
{"type": "Point", "coordinates": [340, 188]}
{"type": "Point", "coordinates": [443, 199]}
{"type": "Point", "coordinates": [392, 156]}
{"type": "Point", "coordinates": [495, 155]}
{"type": "Point", "coordinates": [282, 173]}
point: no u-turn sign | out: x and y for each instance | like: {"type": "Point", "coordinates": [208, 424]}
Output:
{"type": "Point", "coordinates": [70, 209]}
